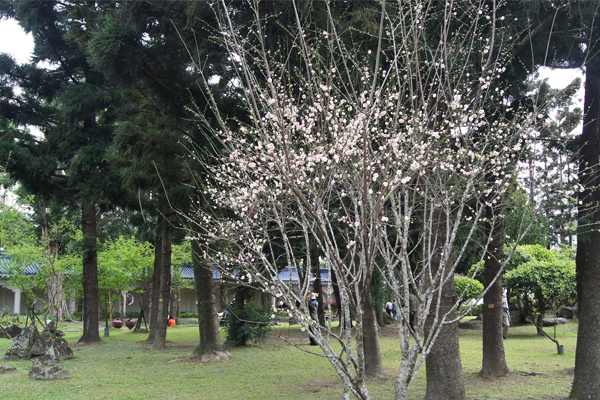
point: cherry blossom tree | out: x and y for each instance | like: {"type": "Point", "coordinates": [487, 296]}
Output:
{"type": "Point", "coordinates": [377, 159]}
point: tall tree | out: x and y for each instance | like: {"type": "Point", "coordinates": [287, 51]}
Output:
{"type": "Point", "coordinates": [587, 360]}
{"type": "Point", "coordinates": [494, 360]}
{"type": "Point", "coordinates": [443, 366]}
{"type": "Point", "coordinates": [65, 98]}
{"type": "Point", "coordinates": [154, 52]}
{"type": "Point", "coordinates": [566, 34]}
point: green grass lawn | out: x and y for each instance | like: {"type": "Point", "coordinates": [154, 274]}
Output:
{"type": "Point", "coordinates": [123, 366]}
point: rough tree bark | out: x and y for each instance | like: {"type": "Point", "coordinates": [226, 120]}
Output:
{"type": "Point", "coordinates": [55, 281]}
{"type": "Point", "coordinates": [379, 317]}
{"type": "Point", "coordinates": [373, 364]}
{"type": "Point", "coordinates": [56, 295]}
{"type": "Point", "coordinates": [90, 276]}
{"type": "Point", "coordinates": [443, 366]}
{"type": "Point", "coordinates": [162, 312]}
{"type": "Point", "coordinates": [152, 310]}
{"type": "Point", "coordinates": [336, 295]}
{"type": "Point", "coordinates": [586, 383]}
{"type": "Point", "coordinates": [210, 348]}
{"type": "Point", "coordinates": [317, 283]}
{"type": "Point", "coordinates": [494, 360]}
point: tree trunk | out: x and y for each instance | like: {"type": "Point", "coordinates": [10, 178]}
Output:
{"type": "Point", "coordinates": [152, 311]}
{"type": "Point", "coordinates": [443, 366]}
{"type": "Point", "coordinates": [586, 384]}
{"type": "Point", "coordinates": [90, 276]}
{"type": "Point", "coordinates": [162, 313]}
{"type": "Point", "coordinates": [55, 280]}
{"type": "Point", "coordinates": [336, 295]}
{"type": "Point", "coordinates": [238, 309]}
{"type": "Point", "coordinates": [317, 284]}
{"type": "Point", "coordinates": [379, 317]}
{"type": "Point", "coordinates": [494, 360]}
{"type": "Point", "coordinates": [56, 295]}
{"type": "Point", "coordinates": [373, 365]}
{"type": "Point", "coordinates": [210, 348]}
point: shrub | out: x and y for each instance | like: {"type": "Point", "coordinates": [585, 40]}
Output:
{"type": "Point", "coordinates": [192, 321]}
{"type": "Point", "coordinates": [104, 315]}
{"type": "Point", "coordinates": [544, 279]}
{"type": "Point", "coordinates": [469, 289]}
{"type": "Point", "coordinates": [188, 314]}
{"type": "Point", "coordinates": [132, 314]}
{"type": "Point", "coordinates": [247, 325]}
{"type": "Point", "coordinates": [476, 271]}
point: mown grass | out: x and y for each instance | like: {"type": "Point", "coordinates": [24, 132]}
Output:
{"type": "Point", "coordinates": [124, 366]}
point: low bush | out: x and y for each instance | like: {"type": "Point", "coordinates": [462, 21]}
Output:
{"type": "Point", "coordinates": [191, 321]}
{"type": "Point", "coordinates": [247, 325]}
{"type": "Point", "coordinates": [188, 314]}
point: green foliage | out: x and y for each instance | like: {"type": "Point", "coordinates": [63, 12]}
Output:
{"type": "Point", "coordinates": [247, 325]}
{"type": "Point", "coordinates": [543, 279]}
{"type": "Point", "coordinates": [132, 314]}
{"type": "Point", "coordinates": [181, 254]}
{"type": "Point", "coordinates": [476, 271]}
{"type": "Point", "coordinates": [122, 264]}
{"type": "Point", "coordinates": [189, 314]}
{"type": "Point", "coordinates": [16, 228]}
{"type": "Point", "coordinates": [17, 273]}
{"type": "Point", "coordinates": [470, 289]}
{"type": "Point", "coordinates": [526, 253]}
{"type": "Point", "coordinates": [105, 315]}
{"type": "Point", "coordinates": [523, 215]}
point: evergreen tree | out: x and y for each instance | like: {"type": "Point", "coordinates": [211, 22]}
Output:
{"type": "Point", "coordinates": [63, 97]}
{"type": "Point", "coordinates": [153, 53]}
{"type": "Point", "coordinates": [566, 34]}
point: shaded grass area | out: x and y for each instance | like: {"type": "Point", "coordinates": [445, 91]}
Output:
{"type": "Point", "coordinates": [124, 366]}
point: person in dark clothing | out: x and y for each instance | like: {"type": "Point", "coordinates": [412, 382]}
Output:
{"type": "Point", "coordinates": [313, 305]}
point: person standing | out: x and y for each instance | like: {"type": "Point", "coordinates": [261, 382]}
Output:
{"type": "Point", "coordinates": [505, 314]}
{"type": "Point", "coordinates": [388, 308]}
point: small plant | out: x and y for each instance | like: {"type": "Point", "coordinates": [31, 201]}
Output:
{"type": "Point", "coordinates": [467, 288]}
{"type": "Point", "coordinates": [132, 314]}
{"type": "Point", "coordinates": [188, 314]}
{"type": "Point", "coordinates": [247, 325]}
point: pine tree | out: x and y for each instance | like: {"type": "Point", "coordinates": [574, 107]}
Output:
{"type": "Point", "coordinates": [155, 66]}
{"type": "Point", "coordinates": [67, 101]}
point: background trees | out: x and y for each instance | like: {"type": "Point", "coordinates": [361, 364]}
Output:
{"type": "Point", "coordinates": [66, 100]}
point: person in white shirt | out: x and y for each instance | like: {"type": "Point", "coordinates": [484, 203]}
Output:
{"type": "Point", "coordinates": [505, 314]}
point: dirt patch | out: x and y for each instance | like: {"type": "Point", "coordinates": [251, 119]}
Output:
{"type": "Point", "coordinates": [318, 384]}
{"type": "Point", "coordinates": [516, 379]}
